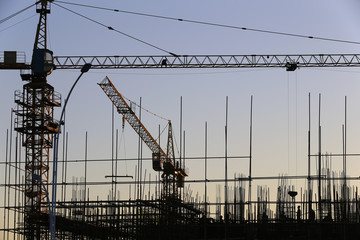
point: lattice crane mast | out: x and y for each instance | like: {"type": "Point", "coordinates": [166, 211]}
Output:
{"type": "Point", "coordinates": [173, 174]}
{"type": "Point", "coordinates": [36, 124]}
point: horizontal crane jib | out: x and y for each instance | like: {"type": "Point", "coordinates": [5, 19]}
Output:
{"type": "Point", "coordinates": [289, 61]}
{"type": "Point", "coordinates": [208, 61]}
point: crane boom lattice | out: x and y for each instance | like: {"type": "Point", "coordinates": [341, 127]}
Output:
{"type": "Point", "coordinates": [288, 61]}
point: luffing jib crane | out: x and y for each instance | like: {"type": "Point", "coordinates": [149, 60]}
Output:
{"type": "Point", "coordinates": [173, 174]}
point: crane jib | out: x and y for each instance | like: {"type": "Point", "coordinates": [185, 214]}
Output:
{"type": "Point", "coordinates": [290, 62]}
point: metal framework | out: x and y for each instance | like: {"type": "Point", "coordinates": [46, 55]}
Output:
{"type": "Point", "coordinates": [41, 32]}
{"type": "Point", "coordinates": [35, 121]}
{"type": "Point", "coordinates": [36, 124]}
{"type": "Point", "coordinates": [290, 62]}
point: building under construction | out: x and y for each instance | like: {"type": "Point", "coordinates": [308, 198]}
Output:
{"type": "Point", "coordinates": [38, 205]}
{"type": "Point", "coordinates": [166, 208]}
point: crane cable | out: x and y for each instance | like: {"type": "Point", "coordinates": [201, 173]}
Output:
{"type": "Point", "coordinates": [154, 114]}
{"type": "Point", "coordinates": [176, 145]}
{"type": "Point", "coordinates": [17, 13]}
{"type": "Point", "coordinates": [4, 29]}
{"type": "Point", "coordinates": [162, 131]}
{"type": "Point", "coordinates": [115, 30]}
{"type": "Point", "coordinates": [122, 137]}
{"type": "Point", "coordinates": [215, 24]}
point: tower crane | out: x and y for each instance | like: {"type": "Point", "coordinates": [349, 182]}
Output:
{"type": "Point", "coordinates": [35, 121]}
{"type": "Point", "coordinates": [173, 174]}
{"type": "Point", "coordinates": [36, 103]}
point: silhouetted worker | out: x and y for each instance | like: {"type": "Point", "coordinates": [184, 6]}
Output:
{"type": "Point", "coordinates": [311, 215]}
{"type": "Point", "coordinates": [298, 214]}
{"type": "Point", "coordinates": [164, 63]}
{"type": "Point", "coordinates": [265, 217]}
{"type": "Point", "coordinates": [282, 216]}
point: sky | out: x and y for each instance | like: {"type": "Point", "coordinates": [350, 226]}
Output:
{"type": "Point", "coordinates": [280, 105]}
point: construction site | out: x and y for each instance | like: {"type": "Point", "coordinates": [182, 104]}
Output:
{"type": "Point", "coordinates": [158, 188]}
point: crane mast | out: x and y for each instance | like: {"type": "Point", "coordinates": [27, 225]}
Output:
{"type": "Point", "coordinates": [40, 38]}
{"type": "Point", "coordinates": [36, 124]}
{"type": "Point", "coordinates": [173, 175]}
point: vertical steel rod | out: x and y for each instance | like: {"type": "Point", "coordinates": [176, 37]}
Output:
{"type": "Point", "coordinates": [180, 140]}
{"type": "Point", "coordinates": [250, 157]}
{"type": "Point", "coordinates": [206, 203]}
{"type": "Point", "coordinates": [180, 131]}
{"type": "Point", "coordinates": [6, 167]}
{"type": "Point", "coordinates": [66, 163]}
{"type": "Point", "coordinates": [9, 173]}
{"type": "Point", "coordinates": [184, 149]}
{"type": "Point", "coordinates": [309, 165]}
{"type": "Point", "coordinates": [205, 170]}
{"type": "Point", "coordinates": [112, 148]}
{"type": "Point", "coordinates": [116, 159]}
{"type": "Point", "coordinates": [16, 174]}
{"type": "Point", "coordinates": [159, 187]}
{"type": "Point", "coordinates": [344, 164]}
{"type": "Point", "coordinates": [85, 155]}
{"type": "Point", "coordinates": [319, 172]}
{"type": "Point", "coordinates": [184, 155]}
{"type": "Point", "coordinates": [226, 165]}
{"type": "Point", "coordinates": [140, 157]}
{"type": "Point", "coordinates": [19, 179]}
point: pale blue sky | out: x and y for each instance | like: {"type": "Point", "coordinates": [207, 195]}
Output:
{"type": "Point", "coordinates": [203, 91]}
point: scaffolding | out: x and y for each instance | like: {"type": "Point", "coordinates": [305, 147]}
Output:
{"type": "Point", "coordinates": [331, 213]}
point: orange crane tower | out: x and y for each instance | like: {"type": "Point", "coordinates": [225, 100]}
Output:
{"type": "Point", "coordinates": [37, 126]}
{"type": "Point", "coordinates": [173, 174]}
